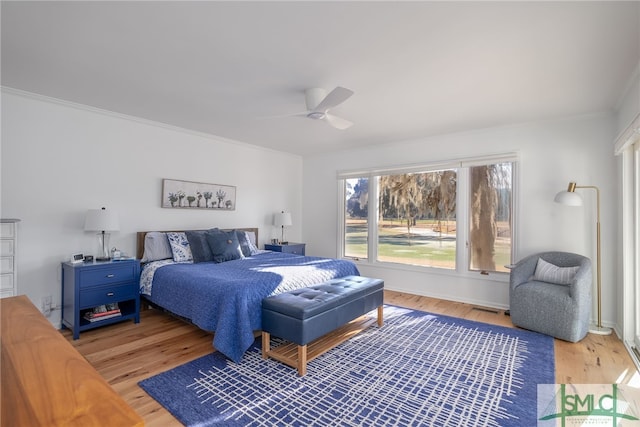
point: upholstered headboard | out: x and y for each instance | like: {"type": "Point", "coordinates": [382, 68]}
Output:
{"type": "Point", "coordinates": [140, 235]}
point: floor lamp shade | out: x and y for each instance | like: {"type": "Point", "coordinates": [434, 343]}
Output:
{"type": "Point", "coordinates": [282, 219]}
{"type": "Point", "coordinates": [570, 198]}
{"type": "Point", "coordinates": [102, 220]}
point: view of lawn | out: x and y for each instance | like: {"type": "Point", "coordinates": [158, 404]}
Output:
{"type": "Point", "coordinates": [425, 247]}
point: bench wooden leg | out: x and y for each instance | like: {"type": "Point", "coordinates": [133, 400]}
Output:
{"type": "Point", "coordinates": [302, 360]}
{"type": "Point", "coordinates": [380, 317]}
{"type": "Point", "coordinates": [266, 344]}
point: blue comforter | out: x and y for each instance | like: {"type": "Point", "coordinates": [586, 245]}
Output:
{"type": "Point", "coordinates": [227, 297]}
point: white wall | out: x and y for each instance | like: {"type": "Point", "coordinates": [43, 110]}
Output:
{"type": "Point", "coordinates": [58, 160]}
{"type": "Point", "coordinates": [551, 154]}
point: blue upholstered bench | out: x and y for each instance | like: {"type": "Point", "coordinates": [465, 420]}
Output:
{"type": "Point", "coordinates": [303, 316]}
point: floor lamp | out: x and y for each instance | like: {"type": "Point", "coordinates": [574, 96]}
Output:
{"type": "Point", "coordinates": [571, 198]}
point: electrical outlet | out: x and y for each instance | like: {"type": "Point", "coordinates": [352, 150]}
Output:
{"type": "Point", "coordinates": [46, 305]}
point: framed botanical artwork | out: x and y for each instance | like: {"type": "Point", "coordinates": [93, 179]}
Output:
{"type": "Point", "coordinates": [197, 195]}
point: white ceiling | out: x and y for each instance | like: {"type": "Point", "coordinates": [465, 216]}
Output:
{"type": "Point", "coordinates": [417, 68]}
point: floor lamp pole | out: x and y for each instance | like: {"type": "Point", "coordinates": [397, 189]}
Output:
{"type": "Point", "coordinates": [598, 329]}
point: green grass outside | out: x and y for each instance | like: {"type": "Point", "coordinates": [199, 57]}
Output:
{"type": "Point", "coordinates": [432, 250]}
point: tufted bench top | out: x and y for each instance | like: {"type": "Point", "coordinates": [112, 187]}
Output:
{"type": "Point", "coordinates": [307, 302]}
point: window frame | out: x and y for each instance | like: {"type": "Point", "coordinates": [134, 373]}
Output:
{"type": "Point", "coordinates": [463, 255]}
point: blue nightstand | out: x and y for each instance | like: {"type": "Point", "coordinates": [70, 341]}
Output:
{"type": "Point", "coordinates": [89, 285]}
{"type": "Point", "coordinates": [290, 248]}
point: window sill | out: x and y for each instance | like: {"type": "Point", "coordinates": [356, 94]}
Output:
{"type": "Point", "coordinates": [502, 277]}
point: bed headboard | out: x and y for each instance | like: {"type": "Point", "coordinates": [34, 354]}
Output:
{"type": "Point", "coordinates": [140, 235]}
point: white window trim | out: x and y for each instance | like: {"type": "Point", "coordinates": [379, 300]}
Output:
{"type": "Point", "coordinates": [427, 166]}
{"type": "Point", "coordinates": [463, 249]}
{"type": "Point", "coordinates": [628, 146]}
{"type": "Point", "coordinates": [374, 208]}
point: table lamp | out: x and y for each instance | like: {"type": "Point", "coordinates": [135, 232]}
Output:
{"type": "Point", "coordinates": [280, 220]}
{"type": "Point", "coordinates": [102, 220]}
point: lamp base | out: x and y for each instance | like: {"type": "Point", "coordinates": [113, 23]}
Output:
{"type": "Point", "coordinates": [103, 240]}
{"type": "Point", "coordinates": [599, 330]}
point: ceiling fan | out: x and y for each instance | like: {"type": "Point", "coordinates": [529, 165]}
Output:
{"type": "Point", "coordinates": [319, 103]}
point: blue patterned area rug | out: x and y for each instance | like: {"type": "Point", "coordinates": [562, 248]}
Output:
{"type": "Point", "coordinates": [418, 369]}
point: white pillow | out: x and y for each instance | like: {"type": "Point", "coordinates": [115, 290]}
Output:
{"type": "Point", "coordinates": [156, 247]}
{"type": "Point", "coordinates": [547, 272]}
{"type": "Point", "coordinates": [180, 247]}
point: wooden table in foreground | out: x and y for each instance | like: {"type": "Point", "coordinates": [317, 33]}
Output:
{"type": "Point", "coordinates": [45, 381]}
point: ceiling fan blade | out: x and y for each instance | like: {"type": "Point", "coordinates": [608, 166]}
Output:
{"type": "Point", "coordinates": [335, 97]}
{"type": "Point", "coordinates": [280, 116]}
{"type": "Point", "coordinates": [338, 122]}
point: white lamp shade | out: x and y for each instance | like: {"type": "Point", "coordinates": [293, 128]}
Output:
{"type": "Point", "coordinates": [281, 219]}
{"type": "Point", "coordinates": [101, 220]}
{"type": "Point", "coordinates": [568, 198]}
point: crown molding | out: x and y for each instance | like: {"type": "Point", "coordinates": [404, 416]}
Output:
{"type": "Point", "coordinates": [629, 136]}
{"type": "Point", "coordinates": [109, 113]}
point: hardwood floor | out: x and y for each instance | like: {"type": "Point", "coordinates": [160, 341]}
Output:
{"type": "Point", "coordinates": [126, 353]}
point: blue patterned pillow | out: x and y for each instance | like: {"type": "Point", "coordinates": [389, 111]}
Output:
{"type": "Point", "coordinates": [224, 245]}
{"type": "Point", "coordinates": [246, 239]}
{"type": "Point", "coordinates": [180, 247]}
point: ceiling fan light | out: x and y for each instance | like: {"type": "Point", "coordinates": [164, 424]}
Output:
{"type": "Point", "coordinates": [316, 115]}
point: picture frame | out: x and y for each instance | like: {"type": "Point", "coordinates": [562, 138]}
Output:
{"type": "Point", "coordinates": [77, 258]}
{"type": "Point", "coordinates": [178, 194]}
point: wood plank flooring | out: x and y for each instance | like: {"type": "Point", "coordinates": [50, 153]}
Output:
{"type": "Point", "coordinates": [126, 353]}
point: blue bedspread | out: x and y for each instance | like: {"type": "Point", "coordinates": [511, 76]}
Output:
{"type": "Point", "coordinates": [227, 297]}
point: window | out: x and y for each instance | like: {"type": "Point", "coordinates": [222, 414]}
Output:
{"type": "Point", "coordinates": [628, 147]}
{"type": "Point", "coordinates": [419, 215]}
{"type": "Point", "coordinates": [416, 222]}
{"type": "Point", "coordinates": [356, 222]}
{"type": "Point", "coordinates": [490, 217]}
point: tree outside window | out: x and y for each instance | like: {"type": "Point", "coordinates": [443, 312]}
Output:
{"type": "Point", "coordinates": [356, 218]}
{"type": "Point", "coordinates": [416, 223]}
{"type": "Point", "coordinates": [417, 217]}
{"type": "Point", "coordinates": [490, 217]}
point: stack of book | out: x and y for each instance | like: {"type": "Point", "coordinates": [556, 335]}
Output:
{"type": "Point", "coordinates": [102, 312]}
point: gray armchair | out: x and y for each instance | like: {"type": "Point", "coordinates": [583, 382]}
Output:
{"type": "Point", "coordinates": [559, 310]}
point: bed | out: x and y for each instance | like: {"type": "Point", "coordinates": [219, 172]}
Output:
{"type": "Point", "coordinates": [224, 296]}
